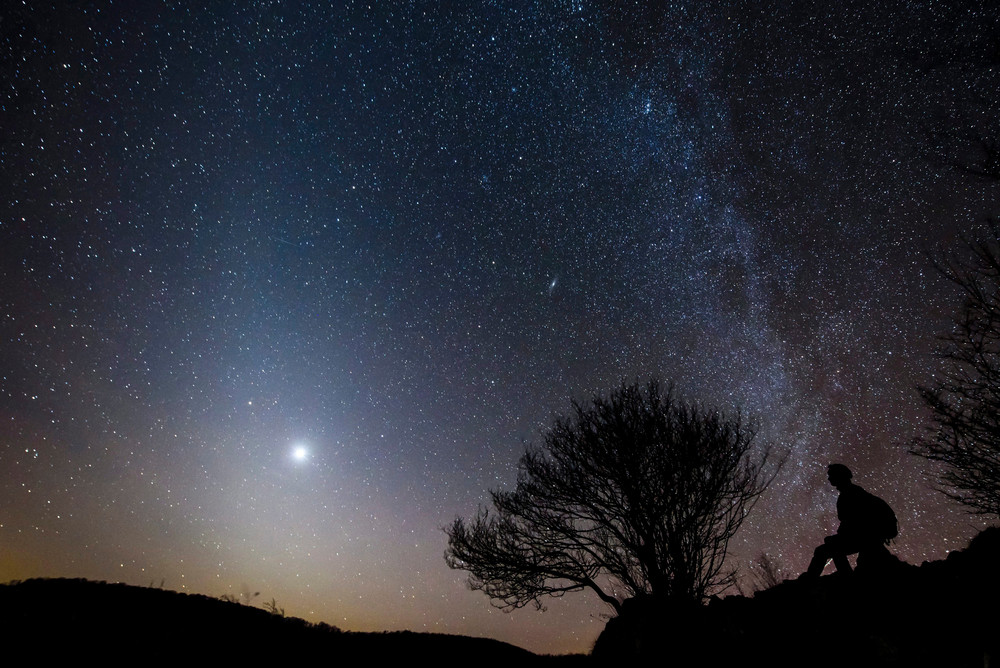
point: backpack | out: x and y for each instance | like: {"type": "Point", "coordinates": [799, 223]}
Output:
{"type": "Point", "coordinates": [883, 519]}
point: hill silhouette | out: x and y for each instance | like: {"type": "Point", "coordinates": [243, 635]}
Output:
{"type": "Point", "coordinates": [76, 618]}
{"type": "Point", "coordinates": [943, 613]}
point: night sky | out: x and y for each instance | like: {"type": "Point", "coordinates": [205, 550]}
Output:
{"type": "Point", "coordinates": [287, 286]}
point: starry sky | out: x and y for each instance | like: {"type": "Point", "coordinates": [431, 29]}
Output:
{"type": "Point", "coordinates": [287, 286]}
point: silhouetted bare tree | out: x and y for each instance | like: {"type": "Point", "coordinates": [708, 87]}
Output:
{"type": "Point", "coordinates": [965, 399]}
{"type": "Point", "coordinates": [636, 493]}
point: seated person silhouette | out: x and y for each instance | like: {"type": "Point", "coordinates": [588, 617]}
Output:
{"type": "Point", "coordinates": [867, 523]}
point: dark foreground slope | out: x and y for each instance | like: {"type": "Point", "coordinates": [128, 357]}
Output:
{"type": "Point", "coordinates": [76, 619]}
{"type": "Point", "coordinates": [943, 613]}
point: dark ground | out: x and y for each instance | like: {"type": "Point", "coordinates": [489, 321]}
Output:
{"type": "Point", "coordinates": [82, 619]}
{"type": "Point", "coordinates": [943, 613]}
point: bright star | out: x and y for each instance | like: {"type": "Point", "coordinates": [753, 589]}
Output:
{"type": "Point", "coordinates": [300, 453]}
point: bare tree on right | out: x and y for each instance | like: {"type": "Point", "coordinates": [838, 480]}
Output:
{"type": "Point", "coordinates": [965, 398]}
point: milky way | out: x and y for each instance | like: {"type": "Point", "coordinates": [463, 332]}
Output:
{"type": "Point", "coordinates": [288, 286]}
